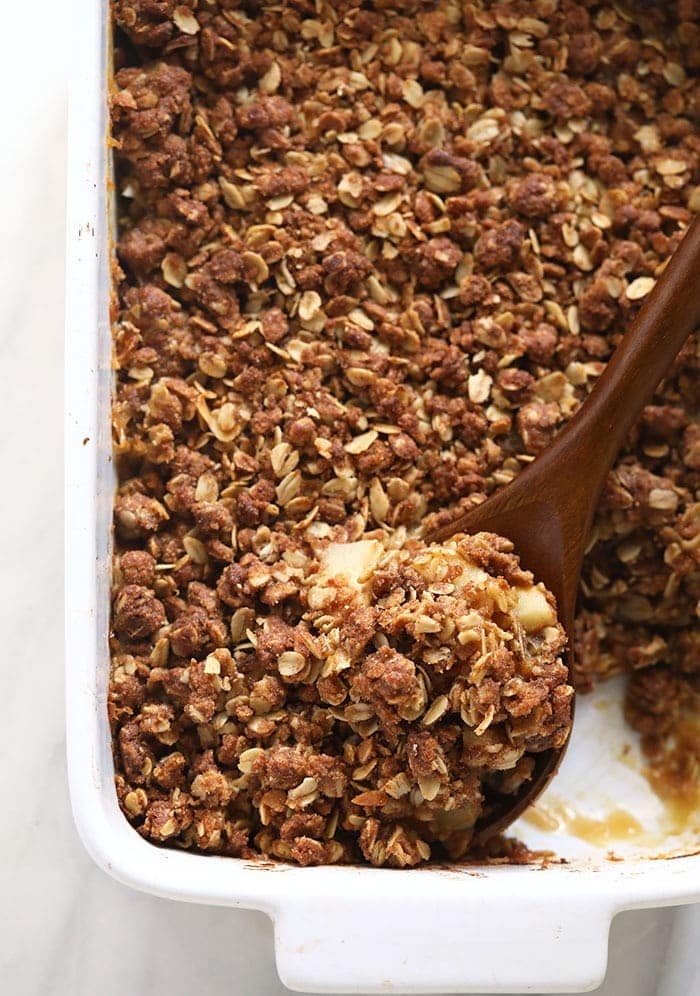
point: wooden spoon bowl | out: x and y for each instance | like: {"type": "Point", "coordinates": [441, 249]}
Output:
{"type": "Point", "coordinates": [548, 510]}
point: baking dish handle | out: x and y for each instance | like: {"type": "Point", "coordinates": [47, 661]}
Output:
{"type": "Point", "coordinates": [436, 944]}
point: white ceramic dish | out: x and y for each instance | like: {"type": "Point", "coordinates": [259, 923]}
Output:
{"type": "Point", "coordinates": [500, 929]}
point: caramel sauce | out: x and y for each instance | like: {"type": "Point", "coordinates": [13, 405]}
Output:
{"type": "Point", "coordinates": [538, 816]}
{"type": "Point", "coordinates": [618, 825]}
{"type": "Point", "coordinates": [675, 777]}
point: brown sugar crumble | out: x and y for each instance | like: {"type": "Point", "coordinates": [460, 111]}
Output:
{"type": "Point", "coordinates": [371, 258]}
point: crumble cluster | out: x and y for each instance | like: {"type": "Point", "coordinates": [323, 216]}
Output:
{"type": "Point", "coordinates": [370, 262]}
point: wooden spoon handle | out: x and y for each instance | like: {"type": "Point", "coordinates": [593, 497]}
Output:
{"type": "Point", "coordinates": [647, 350]}
{"type": "Point", "coordinates": [548, 509]}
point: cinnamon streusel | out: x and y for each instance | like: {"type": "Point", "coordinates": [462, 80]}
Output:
{"type": "Point", "coordinates": [371, 258]}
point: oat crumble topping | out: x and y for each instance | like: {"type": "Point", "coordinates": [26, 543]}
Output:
{"type": "Point", "coordinates": [371, 258]}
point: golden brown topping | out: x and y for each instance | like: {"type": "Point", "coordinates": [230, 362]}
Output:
{"type": "Point", "coordinates": [371, 259]}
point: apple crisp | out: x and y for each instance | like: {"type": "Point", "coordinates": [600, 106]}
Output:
{"type": "Point", "coordinates": [371, 258]}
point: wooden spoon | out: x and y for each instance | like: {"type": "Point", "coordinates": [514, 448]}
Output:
{"type": "Point", "coordinates": [547, 511]}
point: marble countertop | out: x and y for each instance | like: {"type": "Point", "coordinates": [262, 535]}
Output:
{"type": "Point", "coordinates": [69, 930]}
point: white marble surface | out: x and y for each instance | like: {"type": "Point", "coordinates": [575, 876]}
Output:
{"type": "Point", "coordinates": [67, 929]}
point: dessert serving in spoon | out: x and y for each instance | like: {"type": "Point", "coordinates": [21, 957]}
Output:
{"type": "Point", "coordinates": [445, 659]}
{"type": "Point", "coordinates": [464, 595]}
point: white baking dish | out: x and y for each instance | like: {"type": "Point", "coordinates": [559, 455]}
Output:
{"type": "Point", "coordinates": [499, 929]}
